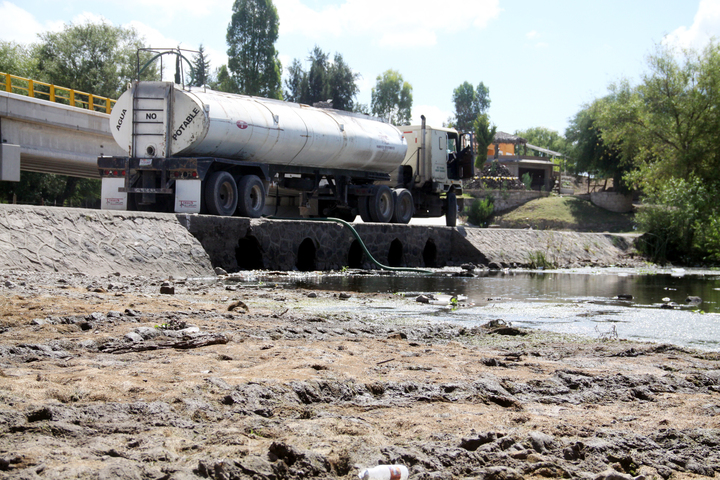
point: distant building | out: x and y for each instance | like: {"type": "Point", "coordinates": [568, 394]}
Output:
{"type": "Point", "coordinates": [543, 171]}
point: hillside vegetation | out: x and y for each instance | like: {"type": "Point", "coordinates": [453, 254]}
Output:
{"type": "Point", "coordinates": [565, 213]}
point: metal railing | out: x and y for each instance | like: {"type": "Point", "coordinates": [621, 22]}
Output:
{"type": "Point", "coordinates": [47, 91]}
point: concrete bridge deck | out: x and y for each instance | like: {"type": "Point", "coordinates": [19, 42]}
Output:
{"type": "Point", "coordinates": [101, 242]}
{"type": "Point", "coordinates": [52, 137]}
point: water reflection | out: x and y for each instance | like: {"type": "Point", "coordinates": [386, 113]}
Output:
{"type": "Point", "coordinates": [577, 303]}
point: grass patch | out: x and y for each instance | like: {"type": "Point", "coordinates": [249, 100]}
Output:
{"type": "Point", "coordinates": [566, 213]}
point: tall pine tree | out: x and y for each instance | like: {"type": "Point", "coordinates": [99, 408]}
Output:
{"type": "Point", "coordinates": [252, 58]}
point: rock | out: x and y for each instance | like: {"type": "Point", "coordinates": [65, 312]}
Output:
{"type": "Point", "coordinates": [9, 284]}
{"type": "Point", "coordinates": [500, 473]}
{"type": "Point", "coordinates": [610, 474]}
{"type": "Point", "coordinates": [133, 337]}
{"type": "Point", "coordinates": [541, 442]}
{"type": "Point", "coordinates": [239, 307]}
{"type": "Point", "coordinates": [344, 296]}
{"type": "Point", "coordinates": [220, 271]}
{"type": "Point", "coordinates": [625, 296]}
{"type": "Point", "coordinates": [426, 298]}
{"type": "Point", "coordinates": [472, 444]}
{"type": "Point", "coordinates": [693, 300]}
{"type": "Point", "coordinates": [256, 465]}
{"type": "Point", "coordinates": [312, 295]}
{"type": "Point", "coordinates": [167, 290]}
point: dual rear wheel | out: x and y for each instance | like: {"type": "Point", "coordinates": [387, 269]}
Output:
{"type": "Point", "coordinates": [387, 205]}
{"type": "Point", "coordinates": [223, 196]}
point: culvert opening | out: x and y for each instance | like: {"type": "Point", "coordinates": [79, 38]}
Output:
{"type": "Point", "coordinates": [395, 254]}
{"type": "Point", "coordinates": [430, 254]}
{"type": "Point", "coordinates": [355, 255]}
{"type": "Point", "coordinates": [306, 256]}
{"type": "Point", "coordinates": [248, 254]}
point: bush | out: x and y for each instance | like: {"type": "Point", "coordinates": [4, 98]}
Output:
{"type": "Point", "coordinates": [681, 221]}
{"type": "Point", "coordinates": [481, 211]}
{"type": "Point", "coordinates": [527, 180]}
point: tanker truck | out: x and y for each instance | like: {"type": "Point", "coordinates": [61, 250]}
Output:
{"type": "Point", "coordinates": [195, 150]}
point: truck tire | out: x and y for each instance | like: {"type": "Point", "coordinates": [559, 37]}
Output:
{"type": "Point", "coordinates": [251, 196]}
{"type": "Point", "coordinates": [381, 205]}
{"type": "Point", "coordinates": [451, 210]}
{"type": "Point", "coordinates": [363, 209]}
{"type": "Point", "coordinates": [404, 206]}
{"type": "Point", "coordinates": [221, 194]}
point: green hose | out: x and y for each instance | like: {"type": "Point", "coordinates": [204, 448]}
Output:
{"type": "Point", "coordinates": [357, 236]}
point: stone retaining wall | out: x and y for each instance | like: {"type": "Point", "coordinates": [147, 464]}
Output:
{"type": "Point", "coordinates": [613, 201]}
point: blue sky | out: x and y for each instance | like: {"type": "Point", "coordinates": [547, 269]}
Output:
{"type": "Point", "coordinates": [541, 60]}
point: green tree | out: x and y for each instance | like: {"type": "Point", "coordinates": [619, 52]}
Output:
{"type": "Point", "coordinates": [668, 128]}
{"type": "Point", "coordinates": [316, 77]}
{"type": "Point", "coordinates": [668, 125]}
{"type": "Point", "coordinates": [469, 103]}
{"type": "Point", "coordinates": [584, 144]}
{"type": "Point", "coordinates": [543, 137]}
{"type": "Point", "coordinates": [484, 134]}
{"type": "Point", "coordinates": [325, 80]}
{"type": "Point", "coordinates": [391, 98]}
{"type": "Point", "coordinates": [17, 59]}
{"type": "Point", "coordinates": [252, 58]}
{"type": "Point", "coordinates": [222, 81]}
{"type": "Point", "coordinates": [200, 74]}
{"type": "Point", "coordinates": [93, 58]}
{"type": "Point", "coordinates": [342, 84]}
{"type": "Point", "coordinates": [296, 83]}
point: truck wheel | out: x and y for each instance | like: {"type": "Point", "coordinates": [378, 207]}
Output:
{"type": "Point", "coordinates": [404, 207]}
{"type": "Point", "coordinates": [221, 194]}
{"type": "Point", "coordinates": [381, 204]}
{"type": "Point", "coordinates": [451, 210]}
{"type": "Point", "coordinates": [363, 209]}
{"type": "Point", "coordinates": [251, 196]}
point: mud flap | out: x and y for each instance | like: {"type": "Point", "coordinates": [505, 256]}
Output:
{"type": "Point", "coordinates": [187, 196]}
{"type": "Point", "coordinates": [111, 197]}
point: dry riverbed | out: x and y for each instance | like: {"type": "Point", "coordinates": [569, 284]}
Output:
{"type": "Point", "coordinates": [108, 378]}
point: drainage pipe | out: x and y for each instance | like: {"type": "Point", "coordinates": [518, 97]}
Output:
{"type": "Point", "coordinates": [362, 244]}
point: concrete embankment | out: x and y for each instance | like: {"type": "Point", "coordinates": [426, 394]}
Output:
{"type": "Point", "coordinates": [141, 243]}
{"type": "Point", "coordinates": [97, 242]}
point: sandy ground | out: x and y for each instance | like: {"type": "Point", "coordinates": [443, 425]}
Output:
{"type": "Point", "coordinates": [109, 378]}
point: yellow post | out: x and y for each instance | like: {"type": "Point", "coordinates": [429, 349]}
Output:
{"type": "Point", "coordinates": [91, 106]}
{"type": "Point", "coordinates": [72, 98]}
{"type": "Point", "coordinates": [31, 90]}
{"type": "Point", "coordinates": [108, 105]}
{"type": "Point", "coordinates": [52, 93]}
{"type": "Point", "coordinates": [8, 83]}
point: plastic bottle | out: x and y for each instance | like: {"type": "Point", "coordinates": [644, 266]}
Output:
{"type": "Point", "coordinates": [385, 472]}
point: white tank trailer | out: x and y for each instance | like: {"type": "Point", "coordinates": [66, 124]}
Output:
{"type": "Point", "coordinates": [195, 150]}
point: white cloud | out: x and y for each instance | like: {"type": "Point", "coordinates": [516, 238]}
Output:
{"type": "Point", "coordinates": [397, 23]}
{"type": "Point", "coordinates": [20, 26]}
{"type": "Point", "coordinates": [433, 115]}
{"type": "Point", "coordinates": [705, 26]}
{"type": "Point", "coordinates": [531, 34]}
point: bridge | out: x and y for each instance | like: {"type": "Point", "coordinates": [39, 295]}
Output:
{"type": "Point", "coordinates": [49, 129]}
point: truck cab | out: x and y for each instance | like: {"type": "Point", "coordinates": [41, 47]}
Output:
{"type": "Point", "coordinates": [436, 162]}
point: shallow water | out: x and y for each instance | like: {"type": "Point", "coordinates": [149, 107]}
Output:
{"type": "Point", "coordinates": [578, 302]}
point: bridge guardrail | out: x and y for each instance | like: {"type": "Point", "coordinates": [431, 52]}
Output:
{"type": "Point", "coordinates": [54, 93]}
